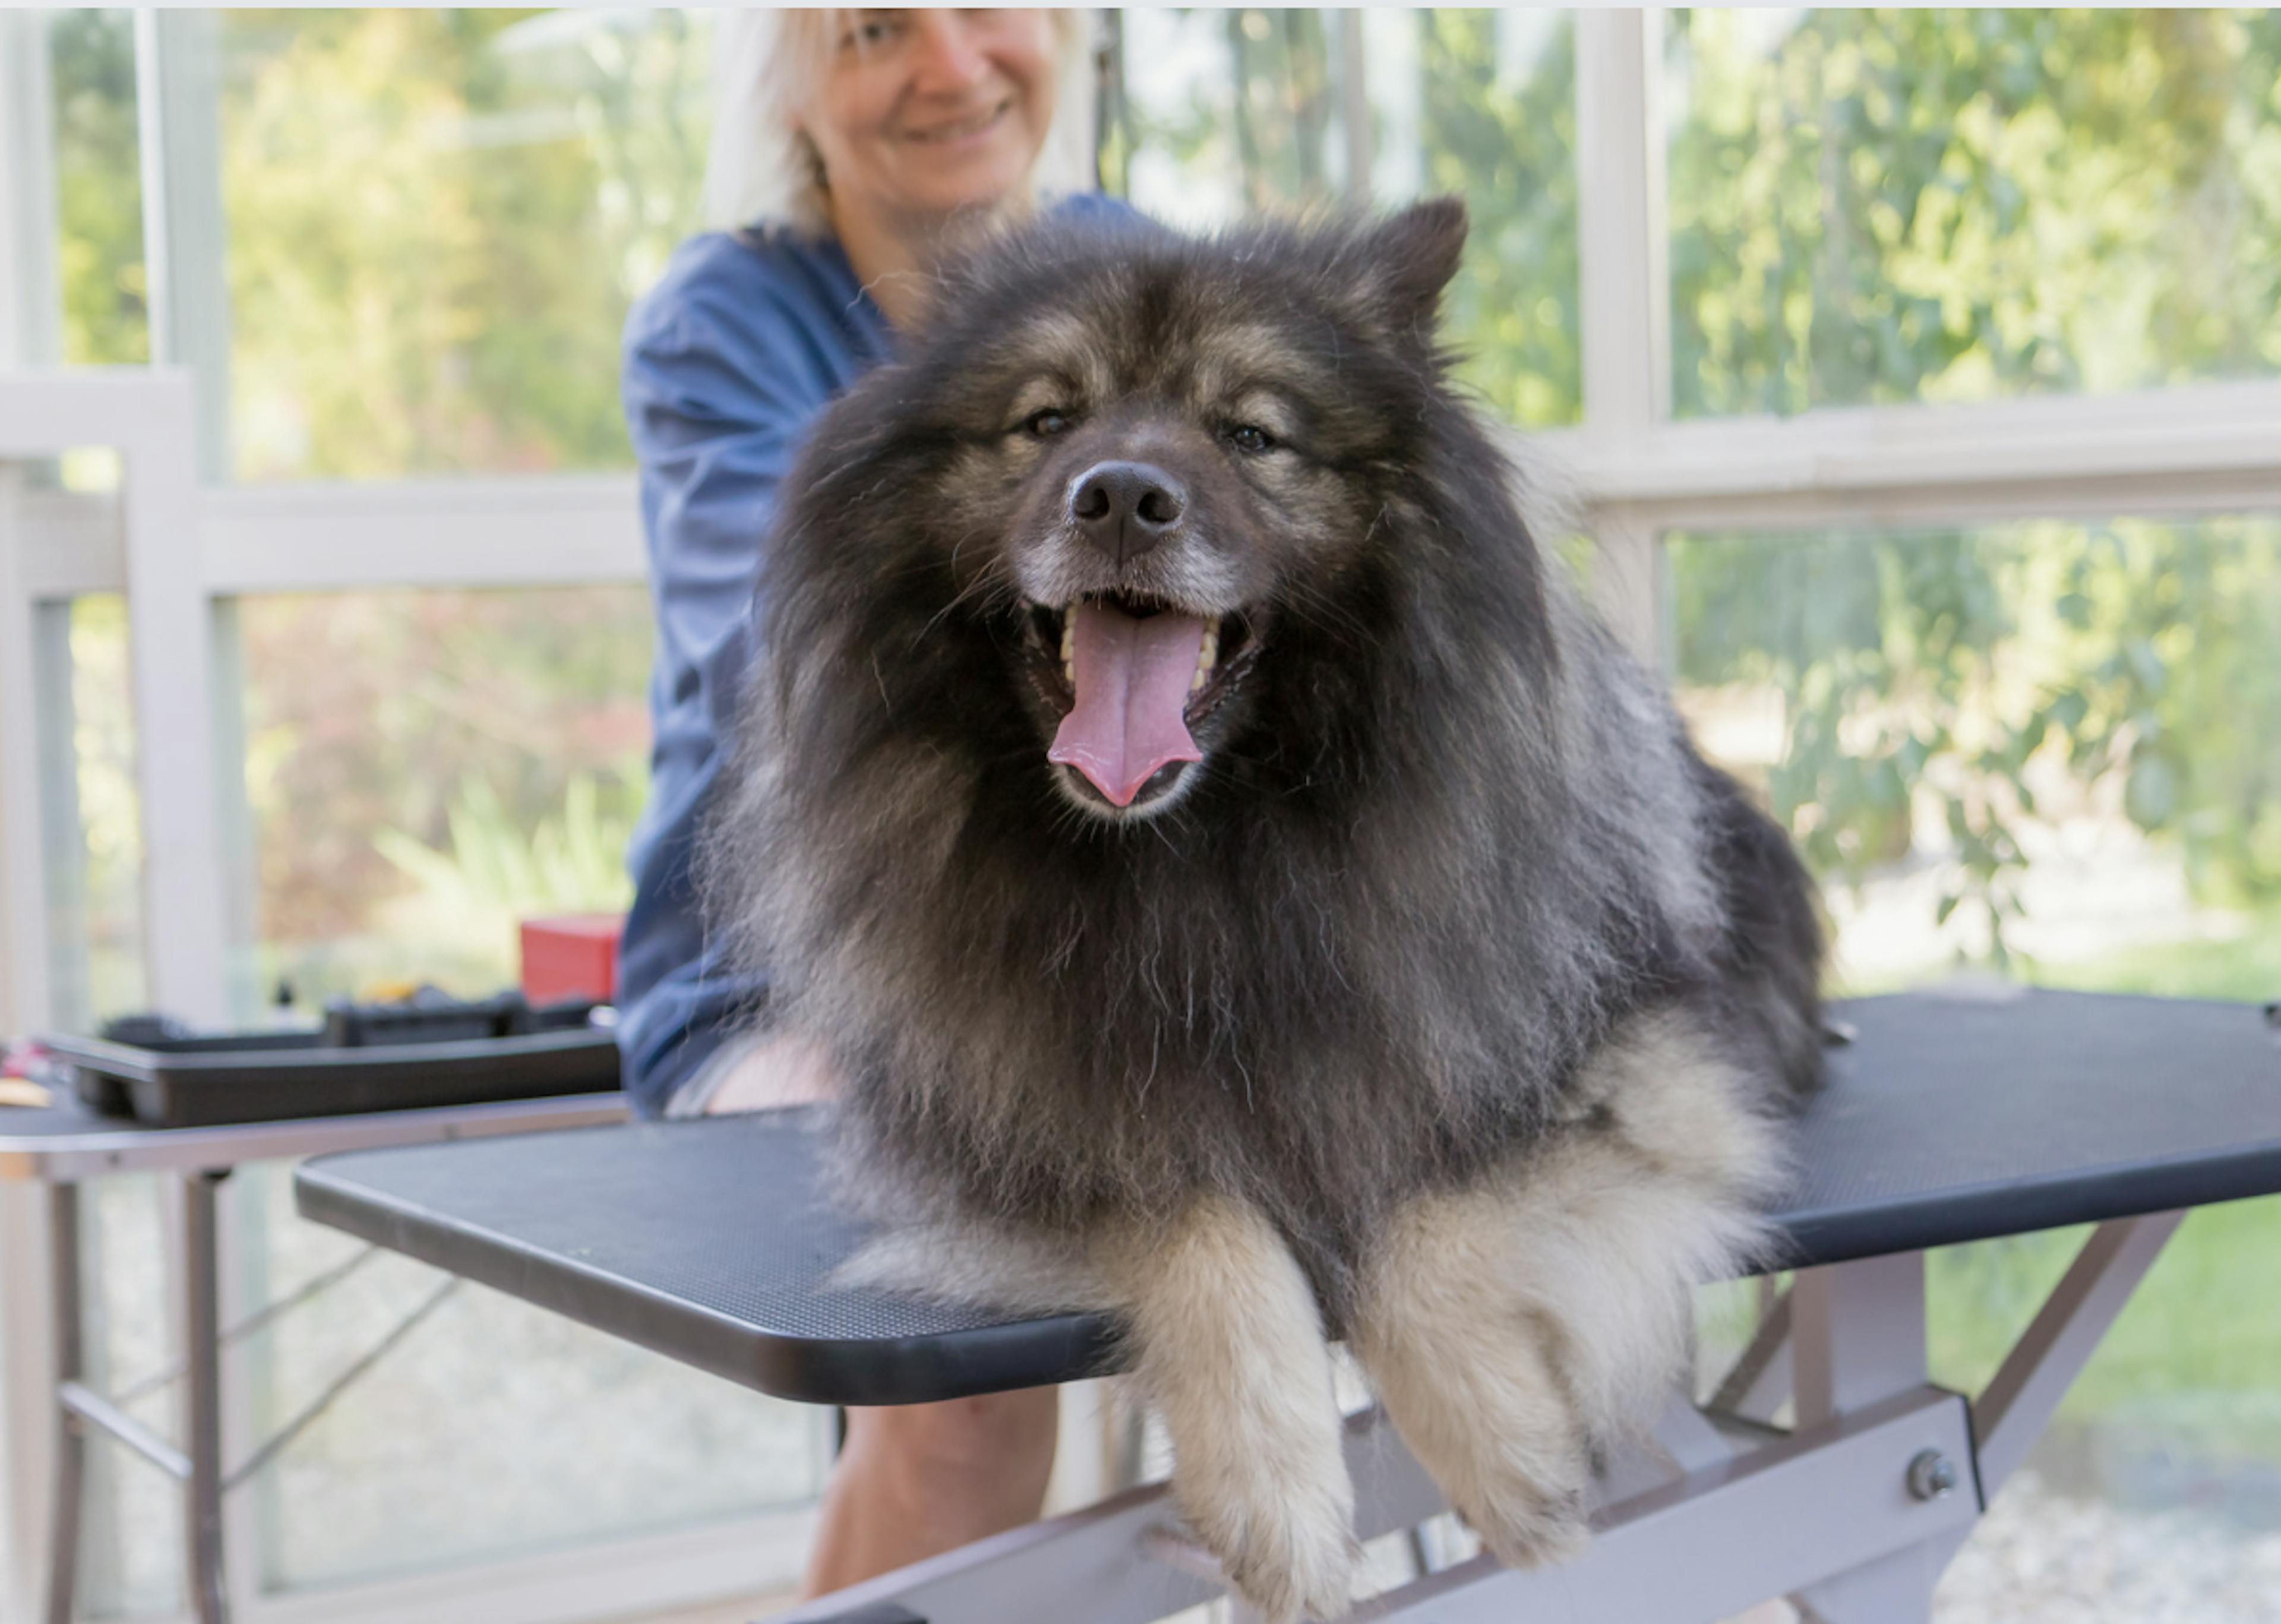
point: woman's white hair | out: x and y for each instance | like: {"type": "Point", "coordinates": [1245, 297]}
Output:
{"type": "Point", "coordinates": [765, 65]}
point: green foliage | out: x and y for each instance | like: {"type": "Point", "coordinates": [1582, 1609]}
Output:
{"type": "Point", "coordinates": [2242, 965]}
{"type": "Point", "coordinates": [1937, 688]}
{"type": "Point", "coordinates": [436, 222]}
{"type": "Point", "coordinates": [1893, 204]}
{"type": "Point", "coordinates": [1883, 205]}
{"type": "Point", "coordinates": [1255, 102]}
{"type": "Point", "coordinates": [1281, 114]}
{"type": "Point", "coordinates": [1885, 654]}
{"type": "Point", "coordinates": [1492, 103]}
{"type": "Point", "coordinates": [1505, 140]}
{"type": "Point", "coordinates": [2171, 1345]}
{"type": "Point", "coordinates": [497, 866]}
{"type": "Point", "coordinates": [371, 718]}
{"type": "Point", "coordinates": [572, 861]}
{"type": "Point", "coordinates": [98, 189]}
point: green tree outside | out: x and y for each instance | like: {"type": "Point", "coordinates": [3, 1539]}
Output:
{"type": "Point", "coordinates": [98, 189]}
{"type": "Point", "coordinates": [436, 222]}
{"type": "Point", "coordinates": [1871, 206]}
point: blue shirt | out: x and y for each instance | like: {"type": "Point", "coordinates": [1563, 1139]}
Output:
{"type": "Point", "coordinates": [728, 361]}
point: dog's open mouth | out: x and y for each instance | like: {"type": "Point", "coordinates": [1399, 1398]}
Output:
{"type": "Point", "coordinates": [1130, 674]}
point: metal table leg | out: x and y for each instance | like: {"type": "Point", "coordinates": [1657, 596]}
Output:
{"type": "Point", "coordinates": [70, 1437]}
{"type": "Point", "coordinates": [201, 1338]}
{"type": "Point", "coordinates": [197, 1464]}
{"type": "Point", "coordinates": [1858, 1334]}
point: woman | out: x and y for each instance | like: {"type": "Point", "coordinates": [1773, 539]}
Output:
{"type": "Point", "coordinates": [869, 144]}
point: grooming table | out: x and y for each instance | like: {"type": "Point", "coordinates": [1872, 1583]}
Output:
{"type": "Point", "coordinates": [66, 1143]}
{"type": "Point", "coordinates": [1950, 1117]}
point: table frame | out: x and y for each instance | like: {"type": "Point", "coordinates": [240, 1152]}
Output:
{"type": "Point", "coordinates": [1825, 1467]}
{"type": "Point", "coordinates": [1841, 1512]}
{"type": "Point", "coordinates": [195, 1162]}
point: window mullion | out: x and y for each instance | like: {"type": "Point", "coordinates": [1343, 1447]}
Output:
{"type": "Point", "coordinates": [1624, 293]}
{"type": "Point", "coordinates": [1354, 84]}
{"type": "Point", "coordinates": [178, 115]}
{"type": "Point", "coordinates": [1619, 208]}
{"type": "Point", "coordinates": [31, 309]}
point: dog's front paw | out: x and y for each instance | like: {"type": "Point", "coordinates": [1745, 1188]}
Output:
{"type": "Point", "coordinates": [1529, 1507]}
{"type": "Point", "coordinates": [1288, 1553]}
{"type": "Point", "coordinates": [1229, 1344]}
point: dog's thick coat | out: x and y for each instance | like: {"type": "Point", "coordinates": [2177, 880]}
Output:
{"type": "Point", "coordinates": [1447, 1001]}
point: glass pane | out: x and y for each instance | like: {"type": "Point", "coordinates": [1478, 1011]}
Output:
{"type": "Point", "coordinates": [2153, 1494]}
{"type": "Point", "coordinates": [2045, 750]}
{"type": "Point", "coordinates": [1497, 91]}
{"type": "Point", "coordinates": [2048, 749]}
{"type": "Point", "coordinates": [426, 768]}
{"type": "Point", "coordinates": [1872, 205]}
{"type": "Point", "coordinates": [436, 222]}
{"type": "Point", "coordinates": [103, 898]}
{"type": "Point", "coordinates": [1227, 114]}
{"type": "Point", "coordinates": [98, 189]}
{"type": "Point", "coordinates": [84, 794]}
{"type": "Point", "coordinates": [131, 1528]}
{"type": "Point", "coordinates": [494, 1429]}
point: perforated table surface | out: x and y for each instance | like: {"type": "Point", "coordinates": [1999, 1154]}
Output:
{"type": "Point", "coordinates": [1947, 1119]}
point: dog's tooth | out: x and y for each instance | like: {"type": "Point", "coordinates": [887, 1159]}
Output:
{"type": "Point", "coordinates": [1196, 685]}
{"type": "Point", "coordinates": [1068, 641]}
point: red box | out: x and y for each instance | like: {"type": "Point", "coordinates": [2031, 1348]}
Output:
{"type": "Point", "coordinates": [575, 955]}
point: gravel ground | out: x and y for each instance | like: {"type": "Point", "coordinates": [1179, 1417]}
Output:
{"type": "Point", "coordinates": [2039, 1558]}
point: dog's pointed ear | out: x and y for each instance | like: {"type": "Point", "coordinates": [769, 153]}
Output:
{"type": "Point", "coordinates": [1405, 261]}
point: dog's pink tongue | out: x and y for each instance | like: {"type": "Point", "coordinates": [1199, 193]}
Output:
{"type": "Point", "coordinates": [1133, 678]}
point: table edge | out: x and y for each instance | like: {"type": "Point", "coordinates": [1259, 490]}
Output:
{"type": "Point", "coordinates": [62, 1158]}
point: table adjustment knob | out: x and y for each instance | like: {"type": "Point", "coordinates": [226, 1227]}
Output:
{"type": "Point", "coordinates": [1931, 1475]}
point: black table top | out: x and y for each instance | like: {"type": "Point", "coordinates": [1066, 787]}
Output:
{"type": "Point", "coordinates": [1947, 1119]}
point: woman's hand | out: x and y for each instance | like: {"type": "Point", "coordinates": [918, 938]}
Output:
{"type": "Point", "coordinates": [783, 1070]}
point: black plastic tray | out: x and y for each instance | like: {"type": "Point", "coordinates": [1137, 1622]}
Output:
{"type": "Point", "coordinates": [272, 1076]}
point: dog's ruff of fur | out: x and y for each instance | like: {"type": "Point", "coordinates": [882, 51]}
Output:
{"type": "Point", "coordinates": [1451, 1003]}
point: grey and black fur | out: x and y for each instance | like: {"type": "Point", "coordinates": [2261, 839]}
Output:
{"type": "Point", "coordinates": [1449, 1003]}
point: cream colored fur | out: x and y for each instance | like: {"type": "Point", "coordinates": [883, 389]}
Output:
{"type": "Point", "coordinates": [1515, 1329]}
{"type": "Point", "coordinates": [1518, 1327]}
{"type": "Point", "coordinates": [1017, 1270]}
{"type": "Point", "coordinates": [1229, 1345]}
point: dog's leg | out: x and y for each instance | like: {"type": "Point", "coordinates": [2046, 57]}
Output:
{"type": "Point", "coordinates": [1516, 1327]}
{"type": "Point", "coordinates": [1229, 1345]}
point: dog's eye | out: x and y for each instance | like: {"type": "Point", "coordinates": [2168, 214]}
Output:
{"type": "Point", "coordinates": [1251, 438]}
{"type": "Point", "coordinates": [1047, 424]}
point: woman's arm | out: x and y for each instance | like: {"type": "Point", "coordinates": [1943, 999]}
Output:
{"type": "Point", "coordinates": [725, 369]}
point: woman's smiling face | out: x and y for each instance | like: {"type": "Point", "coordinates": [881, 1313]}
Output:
{"type": "Point", "coordinates": [925, 112]}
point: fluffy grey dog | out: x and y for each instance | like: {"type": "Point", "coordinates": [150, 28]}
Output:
{"type": "Point", "coordinates": [1226, 861]}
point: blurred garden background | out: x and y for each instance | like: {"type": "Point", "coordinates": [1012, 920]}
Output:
{"type": "Point", "coordinates": [2042, 751]}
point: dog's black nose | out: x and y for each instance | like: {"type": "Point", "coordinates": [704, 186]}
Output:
{"type": "Point", "coordinates": [1124, 508]}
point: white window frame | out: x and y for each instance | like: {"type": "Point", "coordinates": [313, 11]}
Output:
{"type": "Point", "coordinates": [1636, 474]}
{"type": "Point", "coordinates": [145, 416]}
